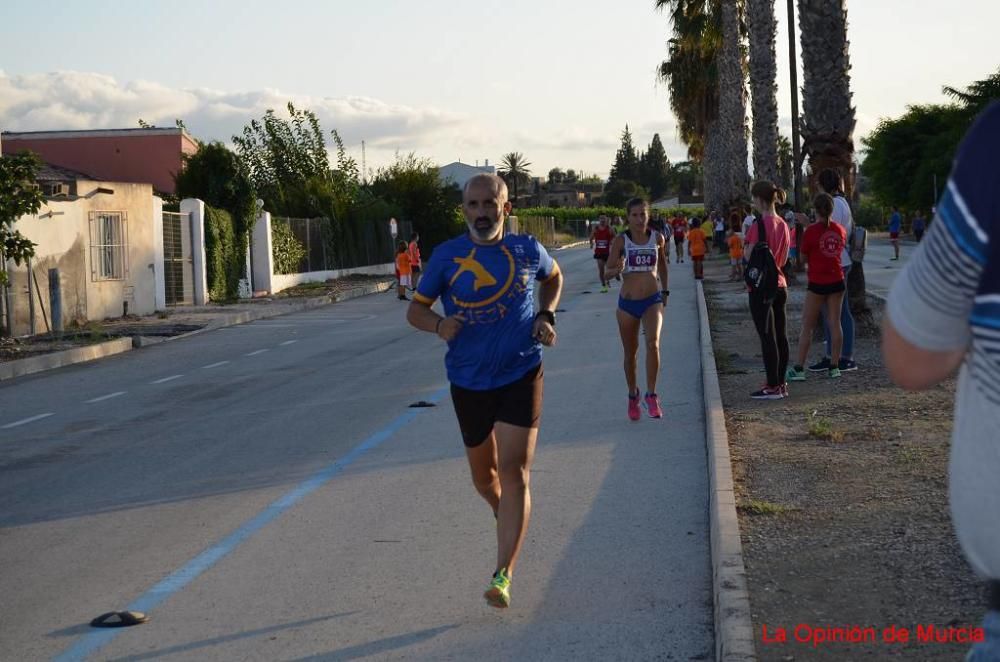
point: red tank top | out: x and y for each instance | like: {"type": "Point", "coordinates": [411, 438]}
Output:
{"type": "Point", "coordinates": [602, 240]}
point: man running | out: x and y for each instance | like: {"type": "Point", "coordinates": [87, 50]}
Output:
{"type": "Point", "coordinates": [680, 226]}
{"type": "Point", "coordinates": [494, 358]}
{"type": "Point", "coordinates": [600, 241]}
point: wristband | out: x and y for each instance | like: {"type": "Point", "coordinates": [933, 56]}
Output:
{"type": "Point", "coordinates": [665, 293]}
{"type": "Point", "coordinates": [548, 314]}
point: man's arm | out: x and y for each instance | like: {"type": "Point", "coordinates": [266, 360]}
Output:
{"type": "Point", "coordinates": [912, 367]}
{"type": "Point", "coordinates": [421, 317]}
{"type": "Point", "coordinates": [549, 292]}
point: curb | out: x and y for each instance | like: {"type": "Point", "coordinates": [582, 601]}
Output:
{"type": "Point", "coordinates": [20, 367]}
{"type": "Point", "coordinates": [734, 639]}
{"type": "Point", "coordinates": [571, 245]}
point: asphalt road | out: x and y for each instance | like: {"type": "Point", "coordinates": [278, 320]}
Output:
{"type": "Point", "coordinates": [880, 270]}
{"type": "Point", "coordinates": [265, 492]}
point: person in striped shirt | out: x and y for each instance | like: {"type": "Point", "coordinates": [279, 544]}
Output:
{"type": "Point", "coordinates": [944, 316]}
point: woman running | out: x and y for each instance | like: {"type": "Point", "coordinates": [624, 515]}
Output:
{"type": "Point", "coordinates": [639, 255]}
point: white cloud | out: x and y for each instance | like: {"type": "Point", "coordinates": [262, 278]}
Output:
{"type": "Point", "coordinates": [82, 100]}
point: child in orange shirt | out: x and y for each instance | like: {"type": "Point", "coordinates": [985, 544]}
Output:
{"type": "Point", "coordinates": [404, 268]}
{"type": "Point", "coordinates": [696, 249]}
{"type": "Point", "coordinates": [735, 256]}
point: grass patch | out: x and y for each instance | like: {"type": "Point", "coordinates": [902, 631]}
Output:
{"type": "Point", "coordinates": [822, 428]}
{"type": "Point", "coordinates": [759, 507]}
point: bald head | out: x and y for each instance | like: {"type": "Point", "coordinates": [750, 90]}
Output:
{"type": "Point", "coordinates": [492, 182]}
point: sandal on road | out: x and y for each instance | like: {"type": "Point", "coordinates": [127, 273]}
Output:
{"type": "Point", "coordinates": [119, 619]}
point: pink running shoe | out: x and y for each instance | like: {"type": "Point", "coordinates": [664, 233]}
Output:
{"type": "Point", "coordinates": [653, 405]}
{"type": "Point", "coordinates": [633, 407]}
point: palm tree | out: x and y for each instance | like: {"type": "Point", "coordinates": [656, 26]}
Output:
{"type": "Point", "coordinates": [785, 159]}
{"type": "Point", "coordinates": [514, 170]}
{"type": "Point", "coordinates": [828, 116]}
{"type": "Point", "coordinates": [732, 122]}
{"type": "Point", "coordinates": [691, 75]}
{"type": "Point", "coordinates": [705, 76]}
{"type": "Point", "coordinates": [763, 75]}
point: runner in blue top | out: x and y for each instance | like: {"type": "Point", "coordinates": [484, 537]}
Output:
{"type": "Point", "coordinates": [494, 359]}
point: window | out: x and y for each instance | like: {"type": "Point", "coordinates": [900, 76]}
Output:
{"type": "Point", "coordinates": [108, 245]}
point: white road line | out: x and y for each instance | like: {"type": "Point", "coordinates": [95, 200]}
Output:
{"type": "Point", "coordinates": [166, 379]}
{"type": "Point", "coordinates": [289, 342]}
{"type": "Point", "coordinates": [23, 421]}
{"type": "Point", "coordinates": [214, 365]}
{"type": "Point", "coordinates": [259, 351]}
{"type": "Point", "coordinates": [105, 397]}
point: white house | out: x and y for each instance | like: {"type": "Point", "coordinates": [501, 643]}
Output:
{"type": "Point", "coordinates": [459, 173]}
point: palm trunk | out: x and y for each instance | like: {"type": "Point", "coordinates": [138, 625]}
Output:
{"type": "Point", "coordinates": [763, 77]}
{"type": "Point", "coordinates": [828, 118]}
{"type": "Point", "coordinates": [732, 111]}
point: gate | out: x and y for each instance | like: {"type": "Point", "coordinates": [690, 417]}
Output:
{"type": "Point", "coordinates": [178, 262]}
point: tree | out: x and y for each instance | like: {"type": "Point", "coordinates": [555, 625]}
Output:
{"type": "Point", "coordinates": [556, 176]}
{"type": "Point", "coordinates": [571, 176]}
{"type": "Point", "coordinates": [219, 177]}
{"type": "Point", "coordinates": [705, 76]}
{"type": "Point", "coordinates": [412, 186]}
{"type": "Point", "coordinates": [763, 75]}
{"type": "Point", "coordinates": [19, 195]}
{"type": "Point", "coordinates": [654, 169]}
{"type": "Point", "coordinates": [785, 161]}
{"type": "Point", "coordinates": [730, 128]}
{"type": "Point", "coordinates": [906, 154]}
{"type": "Point", "coordinates": [686, 177]}
{"type": "Point", "coordinates": [617, 193]}
{"type": "Point", "coordinates": [287, 161]}
{"type": "Point", "coordinates": [514, 170]}
{"type": "Point", "coordinates": [828, 117]}
{"type": "Point", "coordinates": [626, 166]}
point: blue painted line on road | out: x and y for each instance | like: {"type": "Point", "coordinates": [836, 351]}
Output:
{"type": "Point", "coordinates": [94, 641]}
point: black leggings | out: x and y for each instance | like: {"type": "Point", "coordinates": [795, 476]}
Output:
{"type": "Point", "coordinates": [770, 323]}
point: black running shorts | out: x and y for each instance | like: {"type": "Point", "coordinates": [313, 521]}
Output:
{"type": "Point", "coordinates": [518, 403]}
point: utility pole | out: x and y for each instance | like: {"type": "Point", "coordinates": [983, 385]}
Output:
{"type": "Point", "coordinates": [364, 166]}
{"type": "Point", "coordinates": [793, 74]}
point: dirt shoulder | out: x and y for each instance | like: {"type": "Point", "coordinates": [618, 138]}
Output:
{"type": "Point", "coordinates": [842, 496]}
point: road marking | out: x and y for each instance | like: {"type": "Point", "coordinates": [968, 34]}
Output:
{"type": "Point", "coordinates": [214, 365]}
{"type": "Point", "coordinates": [259, 351]}
{"type": "Point", "coordinates": [167, 379]}
{"type": "Point", "coordinates": [177, 580]}
{"type": "Point", "coordinates": [288, 342]}
{"type": "Point", "coordinates": [105, 397]}
{"type": "Point", "coordinates": [24, 421]}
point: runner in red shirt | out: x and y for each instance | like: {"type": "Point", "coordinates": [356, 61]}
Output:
{"type": "Point", "coordinates": [822, 244]}
{"type": "Point", "coordinates": [600, 241]}
{"type": "Point", "coordinates": [680, 226]}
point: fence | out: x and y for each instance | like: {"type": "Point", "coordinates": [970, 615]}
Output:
{"type": "Point", "coordinates": [543, 227]}
{"type": "Point", "coordinates": [329, 246]}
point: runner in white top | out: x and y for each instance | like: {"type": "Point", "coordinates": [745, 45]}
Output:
{"type": "Point", "coordinates": [639, 255]}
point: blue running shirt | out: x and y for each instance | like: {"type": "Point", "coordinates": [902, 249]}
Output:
{"type": "Point", "coordinates": [490, 286]}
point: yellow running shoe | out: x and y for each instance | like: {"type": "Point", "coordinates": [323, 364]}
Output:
{"type": "Point", "coordinates": [498, 593]}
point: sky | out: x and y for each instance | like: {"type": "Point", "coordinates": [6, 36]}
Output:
{"type": "Point", "coordinates": [446, 80]}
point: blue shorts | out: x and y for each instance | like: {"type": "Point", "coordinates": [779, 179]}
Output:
{"type": "Point", "coordinates": [638, 307]}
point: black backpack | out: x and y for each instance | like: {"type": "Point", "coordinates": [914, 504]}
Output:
{"type": "Point", "coordinates": [761, 274]}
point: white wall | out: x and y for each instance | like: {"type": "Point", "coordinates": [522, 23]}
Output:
{"type": "Point", "coordinates": [281, 282]}
{"type": "Point", "coordinates": [61, 232]}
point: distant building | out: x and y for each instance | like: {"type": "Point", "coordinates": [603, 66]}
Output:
{"type": "Point", "coordinates": [140, 156]}
{"type": "Point", "coordinates": [691, 201]}
{"type": "Point", "coordinates": [459, 173]}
